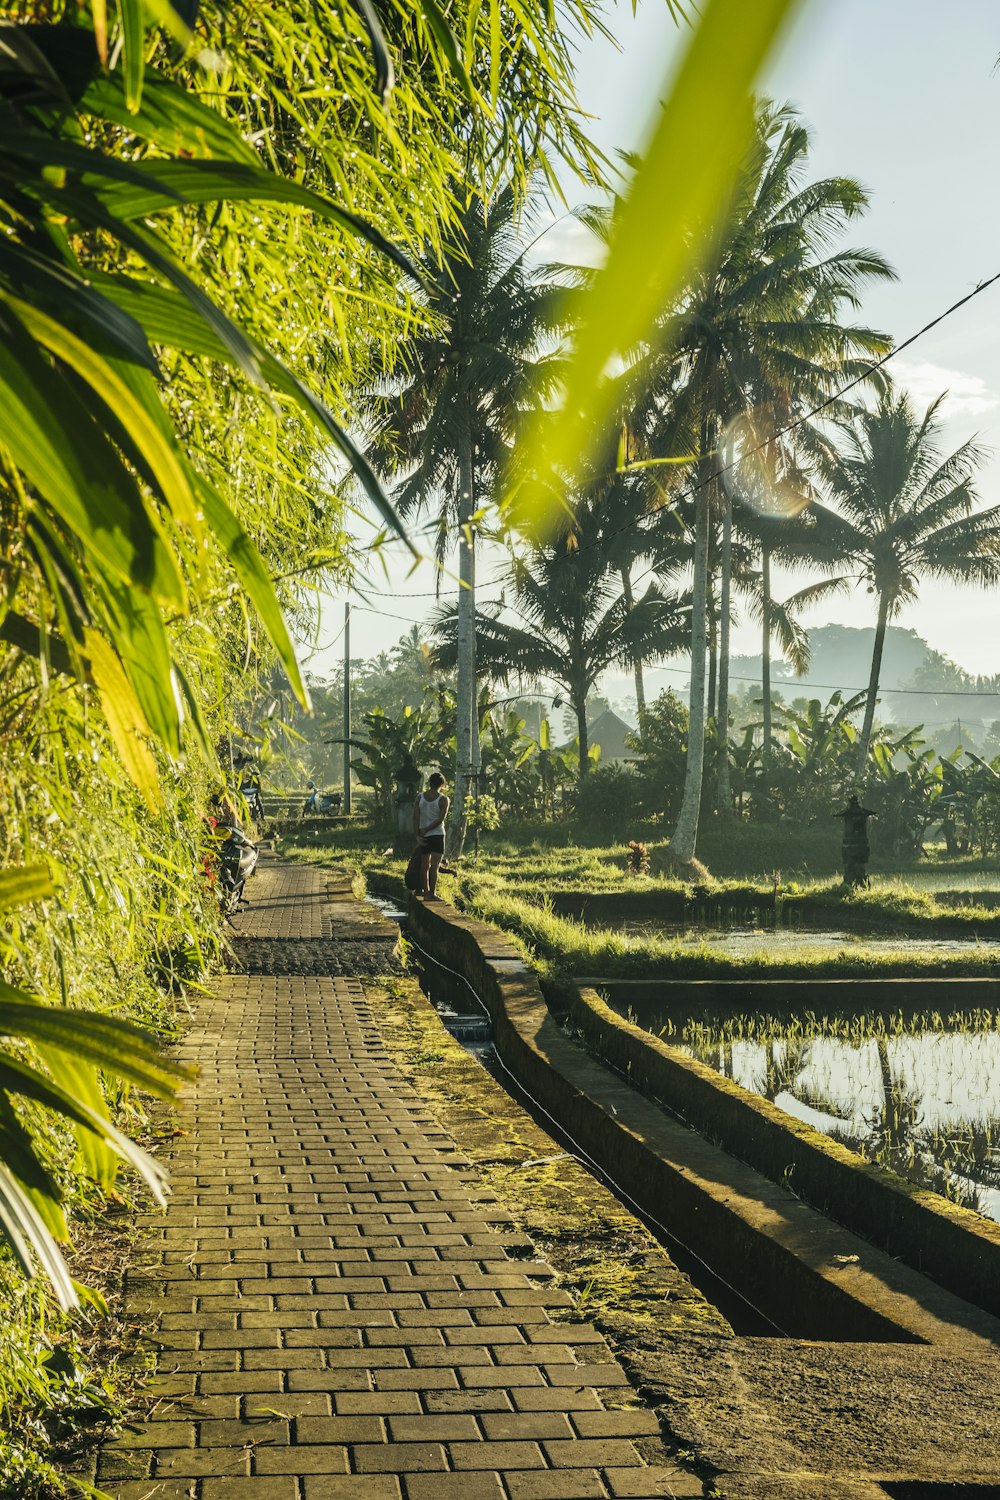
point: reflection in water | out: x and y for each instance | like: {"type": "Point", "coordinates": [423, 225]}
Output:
{"type": "Point", "coordinates": [924, 1103]}
{"type": "Point", "coordinates": [756, 942]}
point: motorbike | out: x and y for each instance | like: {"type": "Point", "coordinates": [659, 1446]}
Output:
{"type": "Point", "coordinates": [250, 792]}
{"type": "Point", "coordinates": [318, 803]}
{"type": "Point", "coordinates": [237, 861]}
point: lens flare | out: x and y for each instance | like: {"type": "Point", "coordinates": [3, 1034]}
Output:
{"type": "Point", "coordinates": [756, 468]}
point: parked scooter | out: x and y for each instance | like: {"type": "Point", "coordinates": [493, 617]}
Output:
{"type": "Point", "coordinates": [319, 803]}
{"type": "Point", "coordinates": [250, 792]}
{"type": "Point", "coordinates": [237, 862]}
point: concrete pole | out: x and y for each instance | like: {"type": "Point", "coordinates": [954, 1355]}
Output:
{"type": "Point", "coordinates": [347, 709]}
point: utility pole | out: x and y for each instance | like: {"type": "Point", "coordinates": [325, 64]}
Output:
{"type": "Point", "coordinates": [347, 708]}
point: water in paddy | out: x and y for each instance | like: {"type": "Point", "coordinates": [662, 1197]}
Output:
{"type": "Point", "coordinates": [919, 1095]}
{"type": "Point", "coordinates": [752, 941]}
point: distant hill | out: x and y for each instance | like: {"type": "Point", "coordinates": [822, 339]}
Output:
{"type": "Point", "coordinates": [917, 684]}
{"type": "Point", "coordinates": [842, 659]}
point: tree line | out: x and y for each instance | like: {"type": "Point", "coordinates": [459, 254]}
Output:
{"type": "Point", "coordinates": [753, 424]}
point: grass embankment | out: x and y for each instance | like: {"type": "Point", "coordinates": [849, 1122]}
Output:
{"type": "Point", "coordinates": [512, 886]}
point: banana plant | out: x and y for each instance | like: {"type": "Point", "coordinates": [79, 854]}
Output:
{"type": "Point", "coordinates": [509, 760]}
{"type": "Point", "coordinates": [52, 1056]}
{"type": "Point", "coordinates": [907, 783]}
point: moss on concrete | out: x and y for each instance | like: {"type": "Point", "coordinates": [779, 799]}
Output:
{"type": "Point", "coordinates": [616, 1271]}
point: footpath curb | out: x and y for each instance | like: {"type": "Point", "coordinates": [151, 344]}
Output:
{"type": "Point", "coordinates": [820, 1280]}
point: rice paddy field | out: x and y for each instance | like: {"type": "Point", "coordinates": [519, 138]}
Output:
{"type": "Point", "coordinates": [915, 1092]}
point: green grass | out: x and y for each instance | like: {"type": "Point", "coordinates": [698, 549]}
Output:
{"type": "Point", "coordinates": [512, 881]}
{"type": "Point", "coordinates": [566, 946]}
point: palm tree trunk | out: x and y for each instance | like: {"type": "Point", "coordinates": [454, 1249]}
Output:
{"type": "Point", "coordinates": [713, 654]}
{"type": "Point", "coordinates": [466, 664]}
{"type": "Point", "coordinates": [640, 686]}
{"type": "Point", "coordinates": [580, 706]}
{"type": "Point", "coordinates": [722, 717]}
{"type": "Point", "coordinates": [685, 835]}
{"type": "Point", "coordinates": [866, 728]}
{"type": "Point", "coordinates": [765, 647]}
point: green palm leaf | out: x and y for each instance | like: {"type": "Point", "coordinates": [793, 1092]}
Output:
{"type": "Point", "coordinates": [53, 438]}
{"type": "Point", "coordinates": [31, 1239]}
{"type": "Point", "coordinates": [107, 1042]}
{"type": "Point", "coordinates": [170, 117]}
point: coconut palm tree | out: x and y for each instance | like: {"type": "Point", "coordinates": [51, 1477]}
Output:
{"type": "Point", "coordinates": [762, 326]}
{"type": "Point", "coordinates": [575, 618]}
{"type": "Point", "coordinates": [899, 512]}
{"type": "Point", "coordinates": [444, 414]}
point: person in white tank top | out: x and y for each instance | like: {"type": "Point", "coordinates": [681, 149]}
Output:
{"type": "Point", "coordinates": [429, 813]}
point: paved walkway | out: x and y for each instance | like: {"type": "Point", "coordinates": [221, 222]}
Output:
{"type": "Point", "coordinates": [339, 1313]}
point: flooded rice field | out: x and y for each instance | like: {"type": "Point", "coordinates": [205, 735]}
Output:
{"type": "Point", "coordinates": [756, 941]}
{"type": "Point", "coordinates": [919, 1095]}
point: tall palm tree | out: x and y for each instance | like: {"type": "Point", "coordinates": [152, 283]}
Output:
{"type": "Point", "coordinates": [773, 491]}
{"type": "Point", "coordinates": [632, 529]}
{"type": "Point", "coordinates": [900, 511]}
{"type": "Point", "coordinates": [761, 323]}
{"type": "Point", "coordinates": [575, 619]}
{"type": "Point", "coordinates": [445, 413]}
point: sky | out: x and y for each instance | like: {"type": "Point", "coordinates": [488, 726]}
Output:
{"type": "Point", "coordinates": [903, 95]}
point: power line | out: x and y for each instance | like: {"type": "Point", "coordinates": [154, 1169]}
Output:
{"type": "Point", "coordinates": [780, 432]}
{"type": "Point", "coordinates": [836, 687]}
{"type": "Point", "coordinates": [387, 614]}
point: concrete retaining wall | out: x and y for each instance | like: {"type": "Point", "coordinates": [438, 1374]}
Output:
{"type": "Point", "coordinates": [663, 904]}
{"type": "Point", "coordinates": [959, 1249]}
{"type": "Point", "coordinates": [694, 998]}
{"type": "Point", "coordinates": [816, 1278]}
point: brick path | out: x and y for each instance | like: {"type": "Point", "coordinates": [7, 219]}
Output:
{"type": "Point", "coordinates": [339, 1314]}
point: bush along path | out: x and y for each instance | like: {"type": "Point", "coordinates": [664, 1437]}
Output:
{"type": "Point", "coordinates": [336, 1309]}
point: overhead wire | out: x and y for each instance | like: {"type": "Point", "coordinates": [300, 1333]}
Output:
{"type": "Point", "coordinates": [836, 687]}
{"type": "Point", "coordinates": [870, 369]}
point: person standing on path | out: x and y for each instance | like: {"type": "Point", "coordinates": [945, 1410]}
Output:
{"type": "Point", "coordinates": [429, 813]}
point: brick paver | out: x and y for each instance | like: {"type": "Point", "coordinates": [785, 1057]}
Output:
{"type": "Point", "coordinates": [337, 1309]}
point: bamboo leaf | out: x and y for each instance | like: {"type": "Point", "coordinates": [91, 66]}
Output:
{"type": "Point", "coordinates": [250, 570]}
{"type": "Point", "coordinates": [447, 41]}
{"type": "Point", "coordinates": [126, 722]}
{"type": "Point", "coordinates": [496, 42]}
{"type": "Point", "coordinates": [20, 886]}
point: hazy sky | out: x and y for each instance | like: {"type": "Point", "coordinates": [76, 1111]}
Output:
{"type": "Point", "coordinates": [901, 94]}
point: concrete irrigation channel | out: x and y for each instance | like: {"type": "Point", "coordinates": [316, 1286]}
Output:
{"type": "Point", "coordinates": [879, 1371]}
